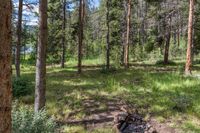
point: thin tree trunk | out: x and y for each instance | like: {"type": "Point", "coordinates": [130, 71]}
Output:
{"type": "Point", "coordinates": [5, 66]}
{"type": "Point", "coordinates": [178, 35]}
{"type": "Point", "coordinates": [178, 32]}
{"type": "Point", "coordinates": [63, 37]}
{"type": "Point", "coordinates": [24, 51]}
{"type": "Point", "coordinates": [126, 49]}
{"type": "Point", "coordinates": [40, 86]}
{"type": "Point", "coordinates": [108, 36]}
{"type": "Point", "coordinates": [167, 45]}
{"type": "Point", "coordinates": [80, 35]}
{"type": "Point", "coordinates": [18, 46]}
{"type": "Point", "coordinates": [189, 45]}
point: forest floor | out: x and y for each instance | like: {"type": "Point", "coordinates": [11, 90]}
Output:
{"type": "Point", "coordinates": [88, 102]}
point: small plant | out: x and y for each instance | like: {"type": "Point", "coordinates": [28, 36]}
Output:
{"type": "Point", "coordinates": [104, 70]}
{"type": "Point", "coordinates": [112, 84]}
{"type": "Point", "coordinates": [161, 62]}
{"type": "Point", "coordinates": [182, 103]}
{"type": "Point", "coordinates": [21, 87]}
{"type": "Point", "coordinates": [181, 69]}
{"type": "Point", "coordinates": [24, 120]}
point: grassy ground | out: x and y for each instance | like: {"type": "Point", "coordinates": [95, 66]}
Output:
{"type": "Point", "coordinates": [161, 92]}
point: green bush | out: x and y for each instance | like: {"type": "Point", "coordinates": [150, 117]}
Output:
{"type": "Point", "coordinates": [161, 62]}
{"type": "Point", "coordinates": [21, 87]}
{"type": "Point", "coordinates": [104, 70]}
{"type": "Point", "coordinates": [182, 103]}
{"type": "Point", "coordinates": [149, 46]}
{"type": "Point", "coordinates": [24, 120]}
{"type": "Point", "coordinates": [181, 69]}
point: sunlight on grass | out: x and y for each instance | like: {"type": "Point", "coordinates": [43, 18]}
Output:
{"type": "Point", "coordinates": [161, 94]}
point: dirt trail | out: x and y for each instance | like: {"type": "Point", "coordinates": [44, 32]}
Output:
{"type": "Point", "coordinates": [101, 115]}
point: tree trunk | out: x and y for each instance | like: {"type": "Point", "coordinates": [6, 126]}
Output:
{"type": "Point", "coordinates": [40, 86]}
{"type": "Point", "coordinates": [167, 45]}
{"type": "Point", "coordinates": [178, 36]}
{"type": "Point", "coordinates": [19, 32]}
{"type": "Point", "coordinates": [108, 36]}
{"type": "Point", "coordinates": [80, 35]}
{"type": "Point", "coordinates": [189, 45]}
{"type": "Point", "coordinates": [178, 32]}
{"type": "Point", "coordinates": [168, 39]}
{"type": "Point", "coordinates": [63, 37]}
{"type": "Point", "coordinates": [5, 66]}
{"type": "Point", "coordinates": [126, 49]}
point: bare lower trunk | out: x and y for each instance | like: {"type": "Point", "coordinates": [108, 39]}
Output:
{"type": "Point", "coordinates": [189, 46]}
{"type": "Point", "coordinates": [166, 53]}
{"type": "Point", "coordinates": [108, 37]}
{"type": "Point", "coordinates": [126, 47]}
{"type": "Point", "coordinates": [5, 66]}
{"type": "Point", "coordinates": [40, 86]}
{"type": "Point", "coordinates": [63, 37]}
{"type": "Point", "coordinates": [18, 46]}
{"type": "Point", "coordinates": [178, 36]}
{"type": "Point", "coordinates": [80, 36]}
{"type": "Point", "coordinates": [168, 39]}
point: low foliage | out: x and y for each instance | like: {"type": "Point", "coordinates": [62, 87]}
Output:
{"type": "Point", "coordinates": [21, 87]}
{"type": "Point", "coordinates": [161, 62]}
{"type": "Point", "coordinates": [24, 120]}
{"type": "Point", "coordinates": [182, 103]}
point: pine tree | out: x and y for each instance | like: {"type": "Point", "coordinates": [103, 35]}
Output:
{"type": "Point", "coordinates": [5, 66]}
{"type": "Point", "coordinates": [80, 34]}
{"type": "Point", "coordinates": [188, 65]}
{"type": "Point", "coordinates": [19, 35]}
{"type": "Point", "coordinates": [40, 86]}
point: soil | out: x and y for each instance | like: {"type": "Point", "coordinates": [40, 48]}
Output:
{"type": "Point", "coordinates": [97, 117]}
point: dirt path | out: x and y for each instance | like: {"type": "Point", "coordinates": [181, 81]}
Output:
{"type": "Point", "coordinates": [101, 115]}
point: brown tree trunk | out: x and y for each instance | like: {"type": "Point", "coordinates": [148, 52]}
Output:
{"type": "Point", "coordinates": [126, 48]}
{"type": "Point", "coordinates": [5, 66]}
{"type": "Point", "coordinates": [178, 25]}
{"type": "Point", "coordinates": [108, 36]}
{"type": "Point", "coordinates": [168, 39]}
{"type": "Point", "coordinates": [189, 45]}
{"type": "Point", "coordinates": [167, 45]}
{"type": "Point", "coordinates": [80, 35]}
{"type": "Point", "coordinates": [18, 46]}
{"type": "Point", "coordinates": [40, 86]}
{"type": "Point", "coordinates": [178, 36]}
{"type": "Point", "coordinates": [63, 37]}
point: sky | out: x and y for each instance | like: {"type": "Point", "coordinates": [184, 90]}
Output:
{"type": "Point", "coordinates": [29, 16]}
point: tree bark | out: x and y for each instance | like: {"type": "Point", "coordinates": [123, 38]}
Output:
{"type": "Point", "coordinates": [5, 66]}
{"type": "Point", "coordinates": [178, 32]}
{"type": "Point", "coordinates": [80, 35]}
{"type": "Point", "coordinates": [108, 35]}
{"type": "Point", "coordinates": [188, 65]}
{"type": "Point", "coordinates": [126, 48]}
{"type": "Point", "coordinates": [63, 37]}
{"type": "Point", "coordinates": [19, 33]}
{"type": "Point", "coordinates": [40, 86]}
{"type": "Point", "coordinates": [168, 39]}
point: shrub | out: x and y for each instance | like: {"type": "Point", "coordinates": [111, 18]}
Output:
{"type": "Point", "coordinates": [182, 102]}
{"type": "Point", "coordinates": [21, 87]}
{"type": "Point", "coordinates": [161, 62]}
{"type": "Point", "coordinates": [181, 69]}
{"type": "Point", "coordinates": [24, 120]}
{"type": "Point", "coordinates": [112, 84]}
{"type": "Point", "coordinates": [104, 70]}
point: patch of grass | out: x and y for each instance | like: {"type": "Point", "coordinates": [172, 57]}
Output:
{"type": "Point", "coordinates": [161, 62]}
{"type": "Point", "coordinates": [153, 89]}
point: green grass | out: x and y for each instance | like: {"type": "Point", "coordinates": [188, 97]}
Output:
{"type": "Point", "coordinates": [160, 91]}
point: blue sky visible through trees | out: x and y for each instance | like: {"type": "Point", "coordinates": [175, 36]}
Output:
{"type": "Point", "coordinates": [29, 14]}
